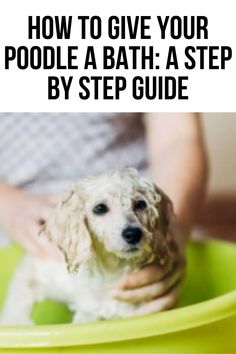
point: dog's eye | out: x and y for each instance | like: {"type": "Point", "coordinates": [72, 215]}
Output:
{"type": "Point", "coordinates": [140, 204]}
{"type": "Point", "coordinates": [100, 209]}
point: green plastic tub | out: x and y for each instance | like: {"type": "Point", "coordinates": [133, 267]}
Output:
{"type": "Point", "coordinates": [204, 322]}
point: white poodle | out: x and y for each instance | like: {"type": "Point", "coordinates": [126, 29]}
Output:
{"type": "Point", "coordinates": [106, 226]}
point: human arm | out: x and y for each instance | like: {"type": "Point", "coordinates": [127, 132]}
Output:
{"type": "Point", "coordinates": [21, 216]}
{"type": "Point", "coordinates": [178, 163]}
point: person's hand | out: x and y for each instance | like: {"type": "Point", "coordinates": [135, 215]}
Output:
{"type": "Point", "coordinates": [22, 215]}
{"type": "Point", "coordinates": [155, 287]}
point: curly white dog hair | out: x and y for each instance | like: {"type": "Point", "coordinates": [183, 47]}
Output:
{"type": "Point", "coordinates": [106, 226]}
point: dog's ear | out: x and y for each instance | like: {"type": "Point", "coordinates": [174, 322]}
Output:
{"type": "Point", "coordinates": [160, 216]}
{"type": "Point", "coordinates": [161, 211]}
{"type": "Point", "coordinates": [67, 229]}
{"type": "Point", "coordinates": [166, 211]}
{"type": "Point", "coordinates": [167, 219]}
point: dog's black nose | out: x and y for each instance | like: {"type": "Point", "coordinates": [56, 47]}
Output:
{"type": "Point", "coordinates": [132, 235]}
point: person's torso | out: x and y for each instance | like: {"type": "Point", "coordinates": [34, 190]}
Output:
{"type": "Point", "coordinates": [48, 151]}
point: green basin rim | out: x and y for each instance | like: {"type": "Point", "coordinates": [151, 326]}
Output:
{"type": "Point", "coordinates": [119, 330]}
{"type": "Point", "coordinates": [179, 319]}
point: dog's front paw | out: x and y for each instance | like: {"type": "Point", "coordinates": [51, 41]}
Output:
{"type": "Point", "coordinates": [15, 321]}
{"type": "Point", "coordinates": [80, 318]}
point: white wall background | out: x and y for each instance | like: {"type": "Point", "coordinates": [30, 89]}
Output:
{"type": "Point", "coordinates": [220, 132]}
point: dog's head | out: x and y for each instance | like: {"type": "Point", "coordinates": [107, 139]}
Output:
{"type": "Point", "coordinates": [119, 212]}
